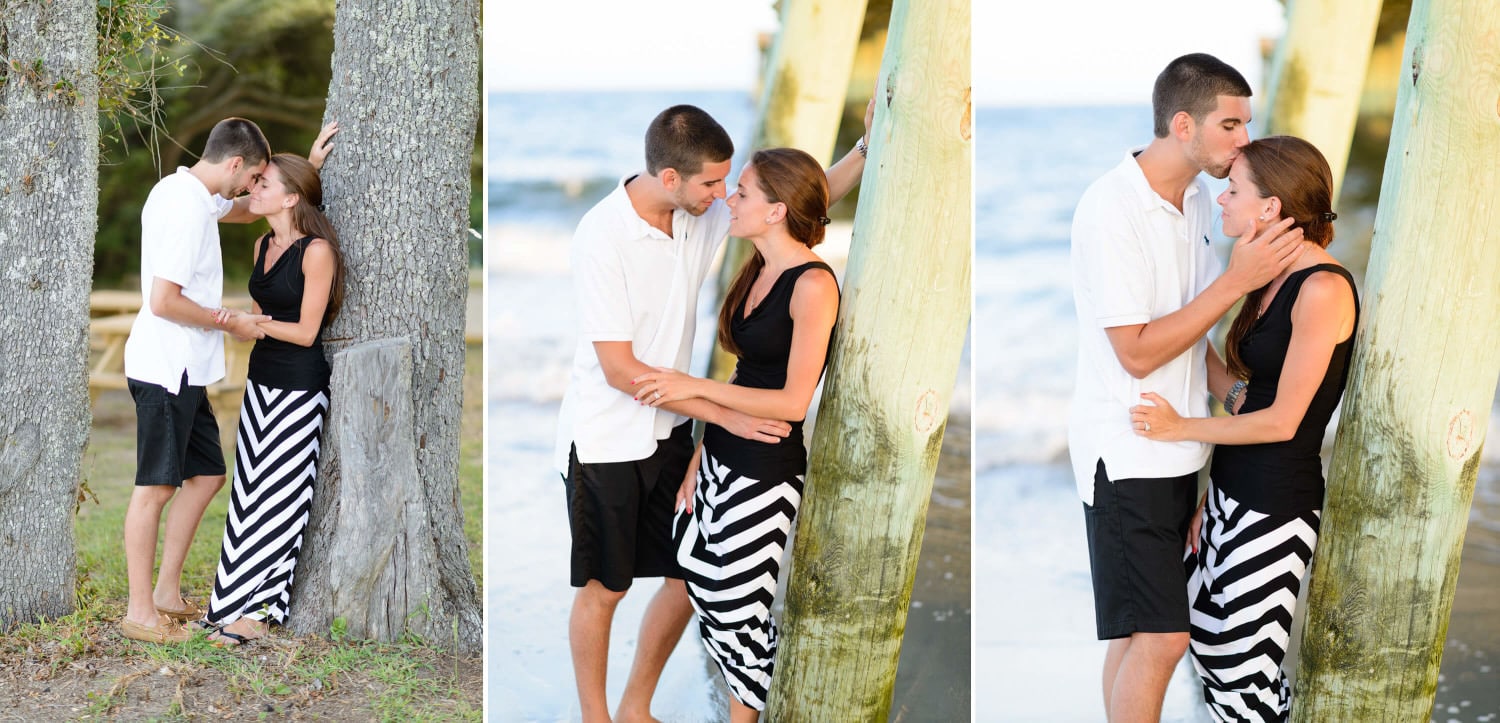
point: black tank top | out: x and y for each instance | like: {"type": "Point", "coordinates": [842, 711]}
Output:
{"type": "Point", "coordinates": [765, 341]}
{"type": "Point", "coordinates": [1283, 478]}
{"type": "Point", "coordinates": [278, 290]}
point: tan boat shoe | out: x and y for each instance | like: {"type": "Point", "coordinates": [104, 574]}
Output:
{"type": "Point", "coordinates": [187, 613]}
{"type": "Point", "coordinates": [166, 630]}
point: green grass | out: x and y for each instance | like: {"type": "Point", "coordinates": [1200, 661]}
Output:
{"type": "Point", "coordinates": [82, 656]}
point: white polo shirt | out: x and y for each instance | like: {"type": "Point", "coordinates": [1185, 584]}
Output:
{"type": "Point", "coordinates": [179, 243]}
{"type": "Point", "coordinates": [1135, 258]}
{"type": "Point", "coordinates": [631, 282]}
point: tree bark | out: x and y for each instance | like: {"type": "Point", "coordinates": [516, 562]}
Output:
{"type": "Point", "coordinates": [49, 180]}
{"type": "Point", "coordinates": [405, 94]}
{"type": "Point", "coordinates": [1423, 381]}
{"type": "Point", "coordinates": [895, 357]}
{"type": "Point", "coordinates": [801, 103]}
{"type": "Point", "coordinates": [1318, 76]}
{"type": "Point", "coordinates": [382, 563]}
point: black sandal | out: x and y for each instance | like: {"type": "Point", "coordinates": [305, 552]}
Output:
{"type": "Point", "coordinates": [202, 625]}
{"type": "Point", "coordinates": [237, 639]}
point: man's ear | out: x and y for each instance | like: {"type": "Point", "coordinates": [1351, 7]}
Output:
{"type": "Point", "coordinates": [1183, 125]}
{"type": "Point", "coordinates": [670, 178]}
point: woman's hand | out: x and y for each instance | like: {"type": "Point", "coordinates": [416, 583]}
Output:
{"type": "Point", "coordinates": [322, 146]}
{"type": "Point", "coordinates": [665, 385]}
{"type": "Point", "coordinates": [689, 484]}
{"type": "Point", "coordinates": [1157, 420]}
{"type": "Point", "coordinates": [869, 119]}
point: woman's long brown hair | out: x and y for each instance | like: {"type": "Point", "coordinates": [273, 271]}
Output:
{"type": "Point", "coordinates": [789, 176]}
{"type": "Point", "coordinates": [298, 176]}
{"type": "Point", "coordinates": [1292, 170]}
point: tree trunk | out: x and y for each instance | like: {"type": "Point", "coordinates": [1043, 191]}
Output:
{"type": "Point", "coordinates": [397, 190]}
{"type": "Point", "coordinates": [801, 103]}
{"type": "Point", "coordinates": [895, 357]}
{"type": "Point", "coordinates": [1318, 75]}
{"type": "Point", "coordinates": [49, 182]}
{"type": "Point", "coordinates": [382, 562]}
{"type": "Point", "coordinates": [1423, 381]}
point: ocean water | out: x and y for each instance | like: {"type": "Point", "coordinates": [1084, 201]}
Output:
{"type": "Point", "coordinates": [1033, 601]}
{"type": "Point", "coordinates": [551, 157]}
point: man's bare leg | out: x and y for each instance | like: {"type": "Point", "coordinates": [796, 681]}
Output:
{"type": "Point", "coordinates": [182, 523]}
{"type": "Point", "coordinates": [142, 517]}
{"type": "Point", "coordinates": [1112, 658]}
{"type": "Point", "coordinates": [1145, 669]}
{"type": "Point", "coordinates": [661, 627]}
{"type": "Point", "coordinates": [588, 639]}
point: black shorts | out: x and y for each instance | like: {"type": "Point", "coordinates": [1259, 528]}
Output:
{"type": "Point", "coordinates": [1137, 532]}
{"type": "Point", "coordinates": [176, 436]}
{"type": "Point", "coordinates": [621, 513]}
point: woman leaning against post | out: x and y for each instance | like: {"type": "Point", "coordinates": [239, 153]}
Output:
{"type": "Point", "coordinates": [1287, 358]}
{"type": "Point", "coordinates": [739, 498]}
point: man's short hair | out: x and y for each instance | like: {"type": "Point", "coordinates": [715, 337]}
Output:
{"type": "Point", "coordinates": [236, 137]}
{"type": "Point", "coordinates": [1193, 83]}
{"type": "Point", "coordinates": [685, 137]}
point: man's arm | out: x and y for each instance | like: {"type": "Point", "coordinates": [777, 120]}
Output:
{"type": "Point", "coordinates": [1253, 263]}
{"type": "Point", "coordinates": [620, 365]}
{"type": "Point", "coordinates": [167, 302]}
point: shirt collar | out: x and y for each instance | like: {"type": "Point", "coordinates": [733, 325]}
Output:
{"type": "Point", "coordinates": [200, 191]}
{"type": "Point", "coordinates": [619, 202]}
{"type": "Point", "coordinates": [1146, 195]}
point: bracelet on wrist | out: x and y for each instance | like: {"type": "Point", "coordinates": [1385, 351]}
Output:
{"type": "Point", "coordinates": [1234, 395]}
{"type": "Point", "coordinates": [862, 147]}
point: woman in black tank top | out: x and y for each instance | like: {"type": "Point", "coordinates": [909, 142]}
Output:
{"type": "Point", "coordinates": [738, 501]}
{"type": "Point", "coordinates": [297, 280]}
{"type": "Point", "coordinates": [1287, 360]}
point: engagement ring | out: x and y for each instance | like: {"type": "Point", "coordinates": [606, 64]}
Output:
{"type": "Point", "coordinates": [658, 396]}
{"type": "Point", "coordinates": [1148, 424]}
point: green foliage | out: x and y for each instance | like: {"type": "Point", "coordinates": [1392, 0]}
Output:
{"type": "Point", "coordinates": [265, 60]}
{"type": "Point", "coordinates": [269, 62]}
{"type": "Point", "coordinates": [134, 56]}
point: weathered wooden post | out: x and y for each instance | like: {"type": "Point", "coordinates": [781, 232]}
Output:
{"type": "Point", "coordinates": [1423, 381]}
{"type": "Point", "coordinates": [381, 561]}
{"type": "Point", "coordinates": [801, 102]}
{"type": "Point", "coordinates": [1318, 75]}
{"type": "Point", "coordinates": [49, 186]}
{"type": "Point", "coordinates": [895, 356]}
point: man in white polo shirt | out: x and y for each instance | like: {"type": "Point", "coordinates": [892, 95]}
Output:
{"type": "Point", "coordinates": [1147, 291]}
{"type": "Point", "coordinates": [175, 350]}
{"type": "Point", "coordinates": [639, 258]}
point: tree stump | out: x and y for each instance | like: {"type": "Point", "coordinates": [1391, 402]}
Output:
{"type": "Point", "coordinates": [381, 559]}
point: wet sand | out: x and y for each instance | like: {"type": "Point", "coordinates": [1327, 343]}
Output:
{"type": "Point", "coordinates": [932, 678]}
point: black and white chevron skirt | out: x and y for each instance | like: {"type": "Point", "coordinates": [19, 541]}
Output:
{"type": "Point", "coordinates": [1242, 592]}
{"type": "Point", "coordinates": [275, 463]}
{"type": "Point", "coordinates": [730, 549]}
